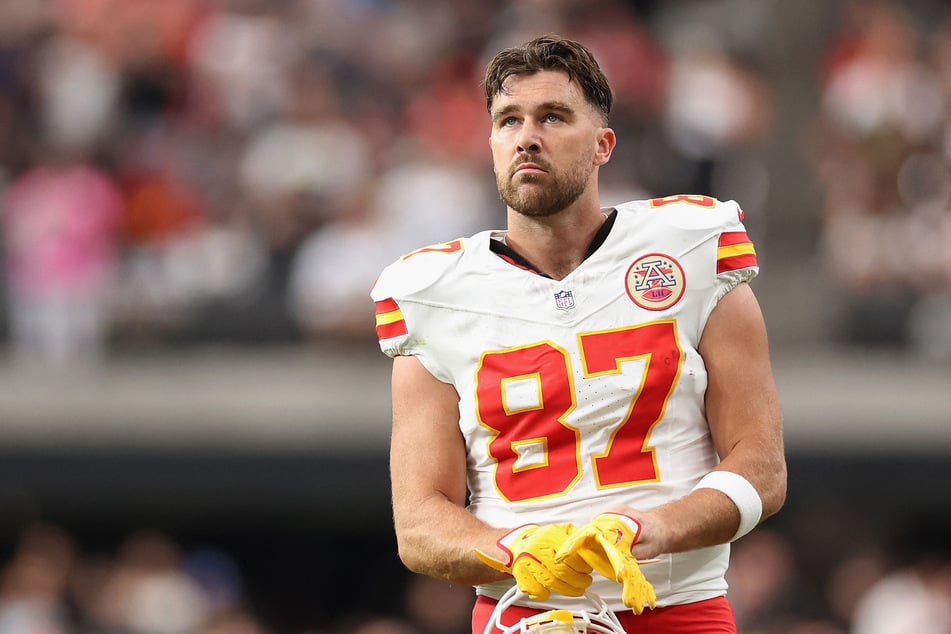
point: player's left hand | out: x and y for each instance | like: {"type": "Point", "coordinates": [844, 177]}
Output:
{"type": "Point", "coordinates": [606, 544]}
{"type": "Point", "coordinates": [531, 550]}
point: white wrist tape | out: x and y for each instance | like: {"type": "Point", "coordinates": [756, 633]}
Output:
{"type": "Point", "coordinates": [743, 494]}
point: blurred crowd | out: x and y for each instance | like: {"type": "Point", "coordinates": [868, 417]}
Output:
{"type": "Point", "coordinates": [882, 154]}
{"type": "Point", "coordinates": [194, 170]}
{"type": "Point", "coordinates": [243, 169]}
{"type": "Point", "coordinates": [152, 584]}
{"type": "Point", "coordinates": [200, 170]}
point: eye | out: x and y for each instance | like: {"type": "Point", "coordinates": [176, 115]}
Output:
{"type": "Point", "coordinates": [509, 121]}
{"type": "Point", "coordinates": [551, 117]}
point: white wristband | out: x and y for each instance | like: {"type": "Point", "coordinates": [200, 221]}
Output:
{"type": "Point", "coordinates": [743, 494]}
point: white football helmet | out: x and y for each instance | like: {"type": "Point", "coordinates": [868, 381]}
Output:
{"type": "Point", "coordinates": [598, 619]}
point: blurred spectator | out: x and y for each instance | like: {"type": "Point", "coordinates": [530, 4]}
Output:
{"type": "Point", "coordinates": [181, 252]}
{"type": "Point", "coordinates": [849, 581]}
{"type": "Point", "coordinates": [78, 92]}
{"type": "Point", "coordinates": [881, 158]}
{"type": "Point", "coordinates": [422, 199]}
{"type": "Point", "coordinates": [718, 108]}
{"type": "Point", "coordinates": [762, 580]}
{"type": "Point", "coordinates": [914, 599]}
{"type": "Point", "coordinates": [915, 595]}
{"type": "Point", "coordinates": [307, 165]}
{"type": "Point", "coordinates": [239, 56]}
{"type": "Point", "coordinates": [59, 224]}
{"type": "Point", "coordinates": [220, 583]}
{"type": "Point", "coordinates": [147, 590]}
{"type": "Point", "coordinates": [22, 25]}
{"type": "Point", "coordinates": [33, 583]}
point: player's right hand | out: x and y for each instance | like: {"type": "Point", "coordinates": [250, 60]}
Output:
{"type": "Point", "coordinates": [606, 543]}
{"type": "Point", "coordinates": [531, 560]}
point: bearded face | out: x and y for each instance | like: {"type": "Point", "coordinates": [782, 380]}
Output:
{"type": "Point", "coordinates": [539, 194]}
{"type": "Point", "coordinates": [547, 142]}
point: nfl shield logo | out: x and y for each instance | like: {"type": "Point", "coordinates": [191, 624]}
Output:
{"type": "Point", "coordinates": [564, 300]}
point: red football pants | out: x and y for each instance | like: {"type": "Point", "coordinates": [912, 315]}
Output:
{"type": "Point", "coordinates": [713, 616]}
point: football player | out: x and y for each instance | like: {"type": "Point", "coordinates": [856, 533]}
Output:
{"type": "Point", "coordinates": [587, 389]}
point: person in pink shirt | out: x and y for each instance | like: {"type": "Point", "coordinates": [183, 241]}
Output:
{"type": "Point", "coordinates": [59, 223]}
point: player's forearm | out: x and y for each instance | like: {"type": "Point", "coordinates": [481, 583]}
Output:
{"type": "Point", "coordinates": [438, 539]}
{"type": "Point", "coordinates": [707, 516]}
{"type": "Point", "coordinates": [703, 518]}
{"type": "Point", "coordinates": [762, 462]}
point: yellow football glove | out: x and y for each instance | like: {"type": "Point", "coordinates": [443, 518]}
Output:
{"type": "Point", "coordinates": [605, 544]}
{"type": "Point", "coordinates": [531, 550]}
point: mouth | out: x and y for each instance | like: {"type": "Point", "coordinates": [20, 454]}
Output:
{"type": "Point", "coordinates": [529, 168]}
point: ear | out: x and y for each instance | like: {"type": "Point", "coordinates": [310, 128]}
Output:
{"type": "Point", "coordinates": [606, 141]}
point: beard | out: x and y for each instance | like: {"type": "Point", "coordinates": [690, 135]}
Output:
{"type": "Point", "coordinates": [530, 196]}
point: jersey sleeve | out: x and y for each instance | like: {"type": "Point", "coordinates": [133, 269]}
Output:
{"type": "Point", "coordinates": [736, 255]}
{"type": "Point", "coordinates": [399, 296]}
{"type": "Point", "coordinates": [715, 231]}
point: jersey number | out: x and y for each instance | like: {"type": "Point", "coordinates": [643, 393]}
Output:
{"type": "Point", "coordinates": [691, 199]}
{"type": "Point", "coordinates": [525, 394]}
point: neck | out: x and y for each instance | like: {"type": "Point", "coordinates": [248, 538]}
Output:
{"type": "Point", "coordinates": [556, 244]}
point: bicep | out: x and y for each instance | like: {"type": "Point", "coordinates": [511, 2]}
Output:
{"type": "Point", "coordinates": [742, 401]}
{"type": "Point", "coordinates": [427, 450]}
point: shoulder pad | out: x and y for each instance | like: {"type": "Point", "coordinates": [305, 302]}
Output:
{"type": "Point", "coordinates": [417, 269]}
{"type": "Point", "coordinates": [691, 211]}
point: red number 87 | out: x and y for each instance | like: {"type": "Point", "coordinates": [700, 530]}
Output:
{"type": "Point", "coordinates": [538, 423]}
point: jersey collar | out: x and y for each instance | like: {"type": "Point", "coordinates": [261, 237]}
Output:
{"type": "Point", "coordinates": [510, 255]}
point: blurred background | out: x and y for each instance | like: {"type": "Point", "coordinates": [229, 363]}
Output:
{"type": "Point", "coordinates": [196, 196]}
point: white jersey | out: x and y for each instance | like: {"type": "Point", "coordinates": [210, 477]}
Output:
{"type": "Point", "coordinates": [586, 391]}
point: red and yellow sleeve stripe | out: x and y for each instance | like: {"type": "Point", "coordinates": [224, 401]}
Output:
{"type": "Point", "coordinates": [389, 319]}
{"type": "Point", "coordinates": [735, 251]}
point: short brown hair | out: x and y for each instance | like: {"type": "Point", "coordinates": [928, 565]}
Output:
{"type": "Point", "coordinates": [551, 52]}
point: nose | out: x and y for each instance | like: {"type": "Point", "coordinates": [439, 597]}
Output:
{"type": "Point", "coordinates": [531, 148]}
{"type": "Point", "coordinates": [529, 138]}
